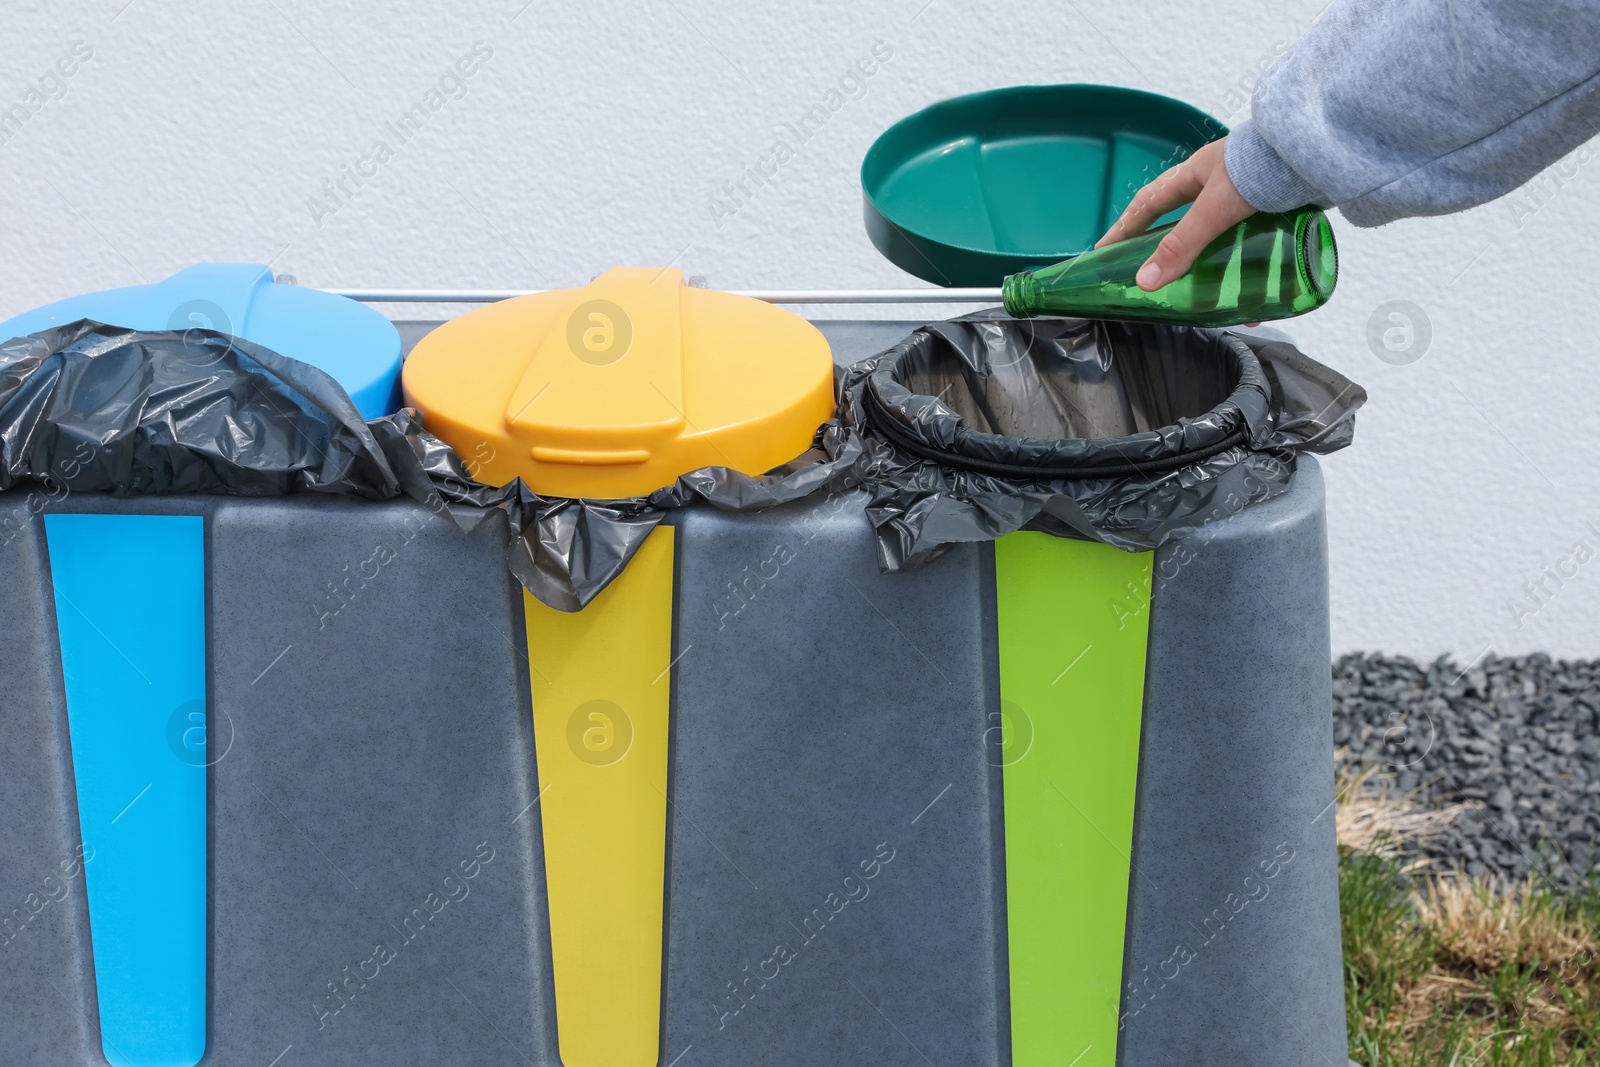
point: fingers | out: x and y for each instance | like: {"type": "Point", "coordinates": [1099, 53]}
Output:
{"type": "Point", "coordinates": [1217, 209]}
{"type": "Point", "coordinates": [1203, 180]}
{"type": "Point", "coordinates": [1174, 187]}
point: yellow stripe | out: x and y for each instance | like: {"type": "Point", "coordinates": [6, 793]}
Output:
{"type": "Point", "coordinates": [600, 698]}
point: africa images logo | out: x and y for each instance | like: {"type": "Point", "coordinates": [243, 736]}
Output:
{"type": "Point", "coordinates": [47, 88]}
{"type": "Point", "coordinates": [451, 85]}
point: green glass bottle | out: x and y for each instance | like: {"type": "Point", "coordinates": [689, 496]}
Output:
{"type": "Point", "coordinates": [1266, 267]}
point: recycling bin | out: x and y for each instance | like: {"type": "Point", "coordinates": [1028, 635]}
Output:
{"type": "Point", "coordinates": [128, 584]}
{"type": "Point", "coordinates": [1041, 801]}
{"type": "Point", "coordinates": [1037, 801]}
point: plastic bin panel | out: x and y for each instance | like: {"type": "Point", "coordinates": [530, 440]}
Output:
{"type": "Point", "coordinates": [835, 891]}
{"type": "Point", "coordinates": [47, 993]}
{"type": "Point", "coordinates": [378, 887]}
{"type": "Point", "coordinates": [1233, 949]}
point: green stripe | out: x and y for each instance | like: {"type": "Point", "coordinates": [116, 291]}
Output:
{"type": "Point", "coordinates": [1073, 619]}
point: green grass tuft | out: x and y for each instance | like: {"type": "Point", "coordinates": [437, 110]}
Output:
{"type": "Point", "coordinates": [1440, 972]}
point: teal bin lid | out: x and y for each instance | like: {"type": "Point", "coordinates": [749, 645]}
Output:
{"type": "Point", "coordinates": [969, 190]}
{"type": "Point", "coordinates": [356, 345]}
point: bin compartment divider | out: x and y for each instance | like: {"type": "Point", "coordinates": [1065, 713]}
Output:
{"type": "Point", "coordinates": [601, 696]}
{"type": "Point", "coordinates": [1073, 619]}
{"type": "Point", "coordinates": [130, 614]}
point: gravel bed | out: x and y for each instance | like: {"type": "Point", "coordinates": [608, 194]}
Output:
{"type": "Point", "coordinates": [1515, 739]}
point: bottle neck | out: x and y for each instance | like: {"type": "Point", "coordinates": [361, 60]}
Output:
{"type": "Point", "coordinates": [1020, 294]}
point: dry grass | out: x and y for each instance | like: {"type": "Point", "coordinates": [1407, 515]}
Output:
{"type": "Point", "coordinates": [1446, 969]}
{"type": "Point", "coordinates": [1482, 923]}
{"type": "Point", "coordinates": [1376, 818]}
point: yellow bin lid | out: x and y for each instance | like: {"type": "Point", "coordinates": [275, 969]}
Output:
{"type": "Point", "coordinates": [616, 389]}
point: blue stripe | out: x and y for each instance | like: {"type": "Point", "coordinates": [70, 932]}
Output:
{"type": "Point", "coordinates": [130, 611]}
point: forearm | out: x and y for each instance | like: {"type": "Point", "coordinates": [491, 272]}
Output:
{"type": "Point", "coordinates": [1391, 108]}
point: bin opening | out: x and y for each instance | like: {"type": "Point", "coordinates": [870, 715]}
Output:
{"type": "Point", "coordinates": [1120, 432]}
{"type": "Point", "coordinates": [1065, 399]}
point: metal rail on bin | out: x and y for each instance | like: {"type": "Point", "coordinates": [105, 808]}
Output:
{"type": "Point", "coordinates": [771, 296]}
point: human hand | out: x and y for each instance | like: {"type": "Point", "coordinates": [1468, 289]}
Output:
{"type": "Point", "coordinates": [1203, 179]}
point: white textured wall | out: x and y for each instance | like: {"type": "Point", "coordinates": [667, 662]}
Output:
{"type": "Point", "coordinates": [598, 133]}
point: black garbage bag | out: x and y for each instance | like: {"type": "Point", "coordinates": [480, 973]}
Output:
{"type": "Point", "coordinates": [971, 429]}
{"type": "Point", "coordinates": [103, 409]}
{"type": "Point", "coordinates": [565, 551]}
{"type": "Point", "coordinates": [92, 408]}
{"type": "Point", "coordinates": [965, 431]}
{"type": "Point", "coordinates": [1120, 432]}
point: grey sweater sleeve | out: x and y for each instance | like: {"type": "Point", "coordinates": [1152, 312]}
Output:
{"type": "Point", "coordinates": [1390, 108]}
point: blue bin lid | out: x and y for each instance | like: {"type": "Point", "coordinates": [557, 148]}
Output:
{"type": "Point", "coordinates": [356, 345]}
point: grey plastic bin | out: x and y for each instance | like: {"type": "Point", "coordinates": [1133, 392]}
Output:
{"type": "Point", "coordinates": [391, 743]}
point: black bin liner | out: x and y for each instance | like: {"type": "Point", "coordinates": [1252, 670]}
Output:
{"type": "Point", "coordinates": [90, 408]}
{"type": "Point", "coordinates": [87, 407]}
{"type": "Point", "coordinates": [1120, 432]}
{"type": "Point", "coordinates": [967, 430]}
